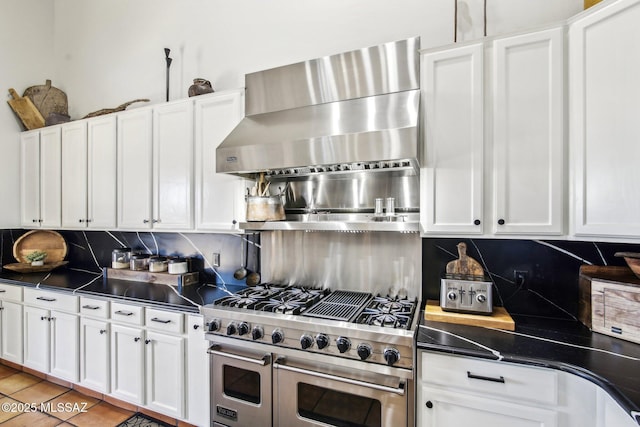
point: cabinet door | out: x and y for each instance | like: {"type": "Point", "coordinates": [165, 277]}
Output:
{"type": "Point", "coordinates": [37, 339]}
{"type": "Point", "coordinates": [134, 169]}
{"type": "Point", "coordinates": [528, 135]}
{"type": "Point", "coordinates": [452, 90]}
{"type": "Point", "coordinates": [165, 370]}
{"type": "Point", "coordinates": [74, 175]}
{"type": "Point", "coordinates": [94, 355]}
{"type": "Point", "coordinates": [12, 332]}
{"type": "Point", "coordinates": [65, 346]}
{"type": "Point", "coordinates": [127, 363]}
{"type": "Point", "coordinates": [439, 408]}
{"type": "Point", "coordinates": [50, 178]}
{"type": "Point", "coordinates": [30, 179]}
{"type": "Point", "coordinates": [173, 166]}
{"type": "Point", "coordinates": [219, 197]}
{"type": "Point", "coordinates": [604, 128]}
{"type": "Point", "coordinates": [197, 373]}
{"type": "Point", "coordinates": [101, 173]}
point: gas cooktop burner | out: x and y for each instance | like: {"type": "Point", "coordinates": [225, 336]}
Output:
{"type": "Point", "coordinates": [247, 298]}
{"type": "Point", "coordinates": [389, 312]}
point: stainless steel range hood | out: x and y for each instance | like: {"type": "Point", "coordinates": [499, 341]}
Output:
{"type": "Point", "coordinates": [332, 135]}
{"type": "Point", "coordinates": [352, 111]}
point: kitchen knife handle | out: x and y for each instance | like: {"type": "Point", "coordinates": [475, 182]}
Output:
{"type": "Point", "coordinates": [499, 379]}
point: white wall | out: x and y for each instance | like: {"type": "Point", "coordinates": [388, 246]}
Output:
{"type": "Point", "coordinates": [109, 52]}
{"type": "Point", "coordinates": [26, 53]}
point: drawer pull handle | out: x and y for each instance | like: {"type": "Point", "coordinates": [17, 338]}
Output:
{"type": "Point", "coordinates": [91, 307]}
{"type": "Point", "coordinates": [46, 299]}
{"type": "Point", "coordinates": [500, 379]}
{"type": "Point", "coordinates": [3, 290]}
{"type": "Point", "coordinates": [155, 319]}
{"type": "Point", "coordinates": [124, 313]}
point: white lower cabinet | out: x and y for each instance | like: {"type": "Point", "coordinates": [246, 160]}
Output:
{"type": "Point", "coordinates": [127, 363]}
{"type": "Point", "coordinates": [11, 323]}
{"type": "Point", "coordinates": [94, 354]}
{"type": "Point", "coordinates": [198, 395]}
{"type": "Point", "coordinates": [456, 391]}
{"type": "Point", "coordinates": [51, 334]}
{"type": "Point", "coordinates": [443, 409]}
{"type": "Point", "coordinates": [165, 373]}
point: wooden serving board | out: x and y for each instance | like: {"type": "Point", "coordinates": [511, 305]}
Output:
{"type": "Point", "coordinates": [500, 318]}
{"type": "Point", "coordinates": [40, 240]}
{"type": "Point", "coordinates": [27, 112]}
{"type": "Point", "coordinates": [22, 267]}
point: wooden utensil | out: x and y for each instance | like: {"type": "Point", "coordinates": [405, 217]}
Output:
{"type": "Point", "coordinates": [48, 99]}
{"type": "Point", "coordinates": [29, 115]}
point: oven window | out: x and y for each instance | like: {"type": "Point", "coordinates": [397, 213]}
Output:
{"type": "Point", "coordinates": [241, 384]}
{"type": "Point", "coordinates": [337, 408]}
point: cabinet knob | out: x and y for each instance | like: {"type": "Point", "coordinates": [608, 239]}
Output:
{"type": "Point", "coordinates": [43, 318]}
{"type": "Point", "coordinates": [147, 341]}
{"type": "Point", "coordinates": [82, 220]}
{"type": "Point", "coordinates": [155, 221]}
{"type": "Point", "coordinates": [234, 222]}
{"type": "Point", "coordinates": [88, 220]}
{"type": "Point", "coordinates": [196, 327]}
{"type": "Point", "coordinates": [501, 221]}
{"type": "Point", "coordinates": [145, 221]}
{"type": "Point", "coordinates": [136, 339]}
{"type": "Point", "coordinates": [34, 220]}
{"type": "Point", "coordinates": [476, 222]}
{"type": "Point", "coordinates": [103, 331]}
{"type": "Point", "coordinates": [429, 404]}
{"type": "Point", "coordinates": [41, 220]}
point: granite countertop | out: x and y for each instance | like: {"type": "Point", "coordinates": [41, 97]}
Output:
{"type": "Point", "coordinates": [81, 282]}
{"type": "Point", "coordinates": [567, 345]}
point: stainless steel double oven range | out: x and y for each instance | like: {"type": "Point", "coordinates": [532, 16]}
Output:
{"type": "Point", "coordinates": [328, 338]}
{"type": "Point", "coordinates": [300, 356]}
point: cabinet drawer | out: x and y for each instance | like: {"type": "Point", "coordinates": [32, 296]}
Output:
{"type": "Point", "coordinates": [10, 293]}
{"type": "Point", "coordinates": [125, 313]}
{"type": "Point", "coordinates": [166, 321]}
{"type": "Point", "coordinates": [504, 379]}
{"type": "Point", "coordinates": [51, 300]}
{"type": "Point", "coordinates": [94, 307]}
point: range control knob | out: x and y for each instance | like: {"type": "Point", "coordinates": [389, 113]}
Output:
{"type": "Point", "coordinates": [391, 355]}
{"type": "Point", "coordinates": [364, 351]}
{"type": "Point", "coordinates": [277, 336]}
{"type": "Point", "coordinates": [257, 333]}
{"type": "Point", "coordinates": [343, 344]}
{"type": "Point", "coordinates": [232, 328]}
{"type": "Point", "coordinates": [306, 341]}
{"type": "Point", "coordinates": [243, 328]}
{"type": "Point", "coordinates": [452, 296]}
{"type": "Point", "coordinates": [213, 325]}
{"type": "Point", "coordinates": [322, 341]}
{"type": "Point", "coordinates": [481, 298]}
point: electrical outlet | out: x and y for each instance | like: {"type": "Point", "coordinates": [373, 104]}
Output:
{"type": "Point", "coordinates": [216, 259]}
{"type": "Point", "coordinates": [520, 276]}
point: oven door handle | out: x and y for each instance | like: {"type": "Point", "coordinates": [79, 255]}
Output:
{"type": "Point", "coordinates": [399, 390]}
{"type": "Point", "coordinates": [266, 359]}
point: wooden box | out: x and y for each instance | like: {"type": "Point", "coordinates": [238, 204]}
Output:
{"type": "Point", "coordinates": [614, 309]}
{"type": "Point", "coordinates": [177, 280]}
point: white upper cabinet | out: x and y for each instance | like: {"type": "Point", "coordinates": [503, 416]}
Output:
{"type": "Point", "coordinates": [74, 175]}
{"type": "Point", "coordinates": [452, 172]}
{"type": "Point", "coordinates": [528, 133]}
{"type": "Point", "coordinates": [134, 143]}
{"type": "Point", "coordinates": [604, 93]}
{"type": "Point", "coordinates": [40, 167]}
{"type": "Point", "coordinates": [173, 165]}
{"type": "Point", "coordinates": [219, 197]}
{"type": "Point", "coordinates": [89, 173]}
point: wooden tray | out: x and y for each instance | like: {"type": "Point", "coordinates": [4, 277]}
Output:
{"type": "Point", "coordinates": [29, 115]}
{"type": "Point", "coordinates": [22, 267]}
{"type": "Point", "coordinates": [163, 278]}
{"type": "Point", "coordinates": [500, 319]}
{"type": "Point", "coordinates": [40, 240]}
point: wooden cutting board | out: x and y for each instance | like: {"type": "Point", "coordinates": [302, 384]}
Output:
{"type": "Point", "coordinates": [40, 240]}
{"type": "Point", "coordinates": [27, 112]}
{"type": "Point", "coordinates": [500, 319]}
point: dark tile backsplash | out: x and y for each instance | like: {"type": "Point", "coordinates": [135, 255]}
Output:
{"type": "Point", "coordinates": [550, 290]}
{"type": "Point", "coordinates": [551, 287]}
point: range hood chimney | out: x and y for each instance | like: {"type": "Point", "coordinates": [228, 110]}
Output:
{"type": "Point", "coordinates": [352, 111]}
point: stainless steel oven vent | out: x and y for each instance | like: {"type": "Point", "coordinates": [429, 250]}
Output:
{"type": "Point", "coordinates": [339, 305]}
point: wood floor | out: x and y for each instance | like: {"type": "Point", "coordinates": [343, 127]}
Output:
{"type": "Point", "coordinates": [26, 399]}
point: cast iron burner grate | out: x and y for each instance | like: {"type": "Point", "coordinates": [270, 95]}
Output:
{"type": "Point", "coordinates": [247, 298]}
{"type": "Point", "coordinates": [388, 312]}
{"type": "Point", "coordinates": [292, 300]}
{"type": "Point", "coordinates": [339, 305]}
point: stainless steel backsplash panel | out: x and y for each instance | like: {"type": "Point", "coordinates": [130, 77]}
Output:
{"type": "Point", "coordinates": [376, 262]}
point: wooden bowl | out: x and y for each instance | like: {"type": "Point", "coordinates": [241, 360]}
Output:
{"type": "Point", "coordinates": [633, 261]}
{"type": "Point", "coordinates": [40, 240]}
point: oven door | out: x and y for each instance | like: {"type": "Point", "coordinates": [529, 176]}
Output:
{"type": "Point", "coordinates": [240, 387]}
{"type": "Point", "coordinates": [305, 395]}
